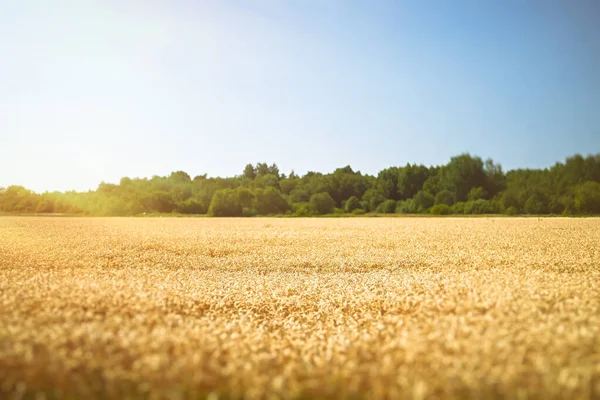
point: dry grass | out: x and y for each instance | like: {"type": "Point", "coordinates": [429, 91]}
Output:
{"type": "Point", "coordinates": [270, 308]}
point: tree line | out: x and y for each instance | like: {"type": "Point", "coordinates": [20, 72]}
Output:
{"type": "Point", "coordinates": [465, 185]}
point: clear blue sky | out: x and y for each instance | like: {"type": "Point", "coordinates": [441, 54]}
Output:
{"type": "Point", "coordinates": [97, 90]}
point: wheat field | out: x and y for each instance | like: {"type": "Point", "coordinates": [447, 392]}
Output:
{"type": "Point", "coordinates": [409, 308]}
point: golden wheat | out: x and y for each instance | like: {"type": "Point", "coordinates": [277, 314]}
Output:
{"type": "Point", "coordinates": [285, 308]}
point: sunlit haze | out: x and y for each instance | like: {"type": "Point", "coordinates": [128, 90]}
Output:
{"type": "Point", "coordinates": [93, 91]}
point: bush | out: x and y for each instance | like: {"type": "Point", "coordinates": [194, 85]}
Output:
{"type": "Point", "coordinates": [158, 201]}
{"type": "Point", "coordinates": [511, 211]}
{"type": "Point", "coordinates": [476, 193]}
{"type": "Point", "coordinates": [352, 204]}
{"type": "Point", "coordinates": [567, 204]}
{"type": "Point", "coordinates": [458, 208]}
{"type": "Point", "coordinates": [587, 197]}
{"type": "Point", "coordinates": [303, 210]}
{"type": "Point", "coordinates": [299, 196]}
{"type": "Point", "coordinates": [358, 211]}
{"type": "Point", "coordinates": [270, 201]}
{"type": "Point", "coordinates": [322, 203]}
{"type": "Point", "coordinates": [423, 201]}
{"type": "Point", "coordinates": [537, 203]}
{"type": "Point", "coordinates": [510, 198]}
{"type": "Point", "coordinates": [387, 207]}
{"type": "Point", "coordinates": [403, 206]}
{"type": "Point", "coordinates": [479, 207]}
{"type": "Point", "coordinates": [44, 206]}
{"type": "Point", "coordinates": [444, 197]}
{"type": "Point", "coordinates": [225, 204]}
{"type": "Point", "coordinates": [191, 207]}
{"type": "Point", "coordinates": [440, 209]}
{"type": "Point", "coordinates": [373, 199]}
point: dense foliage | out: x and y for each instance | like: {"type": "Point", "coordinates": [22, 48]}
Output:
{"type": "Point", "coordinates": [465, 185]}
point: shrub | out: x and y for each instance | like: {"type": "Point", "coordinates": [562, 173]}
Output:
{"type": "Point", "coordinates": [299, 196]}
{"type": "Point", "coordinates": [387, 207]}
{"type": "Point", "coordinates": [423, 201]}
{"type": "Point", "coordinates": [458, 208]}
{"type": "Point", "coordinates": [270, 201]}
{"type": "Point", "coordinates": [322, 203]}
{"type": "Point", "coordinates": [476, 193]}
{"type": "Point", "coordinates": [444, 197]}
{"type": "Point", "coordinates": [440, 209]}
{"type": "Point", "coordinates": [352, 204]}
{"type": "Point", "coordinates": [225, 204]}
{"type": "Point", "coordinates": [303, 210]}
{"type": "Point", "coordinates": [373, 199]}
{"type": "Point", "coordinates": [191, 207]}
{"type": "Point", "coordinates": [511, 211]}
{"type": "Point", "coordinates": [403, 206]}
{"type": "Point", "coordinates": [479, 207]}
{"type": "Point", "coordinates": [158, 201]}
{"type": "Point", "coordinates": [587, 197]}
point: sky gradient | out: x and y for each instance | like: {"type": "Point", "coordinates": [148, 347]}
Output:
{"type": "Point", "coordinates": [96, 90]}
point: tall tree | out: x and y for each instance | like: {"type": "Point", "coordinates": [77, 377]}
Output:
{"type": "Point", "coordinates": [249, 171]}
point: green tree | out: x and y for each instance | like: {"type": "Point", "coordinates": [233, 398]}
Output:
{"type": "Point", "coordinates": [496, 180]}
{"type": "Point", "coordinates": [461, 174]}
{"type": "Point", "coordinates": [299, 195]}
{"type": "Point", "coordinates": [247, 200]}
{"type": "Point", "coordinates": [566, 187]}
{"type": "Point", "coordinates": [191, 206]}
{"type": "Point", "coordinates": [373, 198]}
{"type": "Point", "coordinates": [387, 207]}
{"type": "Point", "coordinates": [158, 201]}
{"type": "Point", "coordinates": [404, 206]}
{"type": "Point", "coordinates": [287, 185]}
{"type": "Point", "coordinates": [262, 169]}
{"type": "Point", "coordinates": [536, 204]}
{"type": "Point", "coordinates": [181, 193]}
{"type": "Point", "coordinates": [479, 206]}
{"type": "Point", "coordinates": [440, 209]}
{"type": "Point", "coordinates": [476, 193]}
{"type": "Point", "coordinates": [353, 203]}
{"type": "Point", "coordinates": [45, 206]}
{"type": "Point", "coordinates": [511, 211]}
{"type": "Point", "coordinates": [423, 201]}
{"type": "Point", "coordinates": [268, 180]}
{"type": "Point", "coordinates": [388, 182]}
{"type": "Point", "coordinates": [180, 177]}
{"type": "Point", "coordinates": [249, 172]}
{"type": "Point", "coordinates": [510, 199]}
{"type": "Point", "coordinates": [274, 170]}
{"type": "Point", "coordinates": [432, 184]}
{"type": "Point", "coordinates": [345, 183]}
{"type": "Point", "coordinates": [20, 200]}
{"type": "Point", "coordinates": [225, 203]}
{"type": "Point", "coordinates": [322, 203]}
{"type": "Point", "coordinates": [411, 180]}
{"type": "Point", "coordinates": [270, 201]}
{"type": "Point", "coordinates": [587, 197]}
{"type": "Point", "coordinates": [303, 210]}
{"type": "Point", "coordinates": [315, 182]}
{"type": "Point", "coordinates": [458, 208]}
{"type": "Point", "coordinates": [444, 197]}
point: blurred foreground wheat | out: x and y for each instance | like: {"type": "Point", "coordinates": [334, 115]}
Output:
{"type": "Point", "coordinates": [289, 308]}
